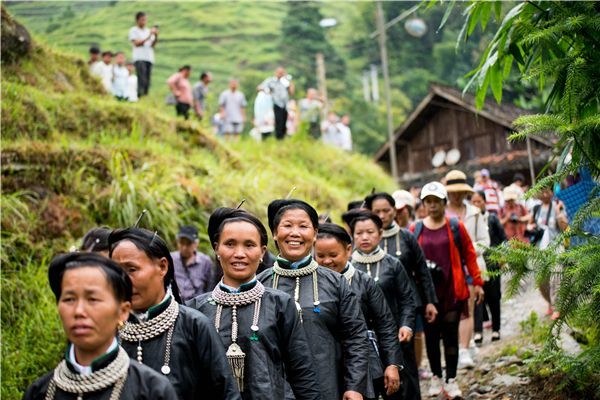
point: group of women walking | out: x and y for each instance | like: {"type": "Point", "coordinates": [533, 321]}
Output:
{"type": "Point", "coordinates": [333, 318]}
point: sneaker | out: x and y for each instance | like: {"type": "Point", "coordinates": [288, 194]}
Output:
{"type": "Point", "coordinates": [436, 387]}
{"type": "Point", "coordinates": [478, 339]}
{"type": "Point", "coordinates": [424, 374]}
{"type": "Point", "coordinates": [495, 336]}
{"type": "Point", "coordinates": [464, 359]}
{"type": "Point", "coordinates": [452, 389]}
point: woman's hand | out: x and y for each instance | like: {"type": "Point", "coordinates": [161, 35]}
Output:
{"type": "Point", "coordinates": [391, 379]}
{"type": "Point", "coordinates": [404, 334]}
{"type": "Point", "coordinates": [430, 313]}
{"type": "Point", "coordinates": [352, 395]}
{"type": "Point", "coordinates": [479, 294]}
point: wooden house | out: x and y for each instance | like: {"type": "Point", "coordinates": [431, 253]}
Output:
{"type": "Point", "coordinates": [447, 120]}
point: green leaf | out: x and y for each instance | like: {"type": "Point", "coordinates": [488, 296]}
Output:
{"type": "Point", "coordinates": [508, 62]}
{"type": "Point", "coordinates": [486, 9]}
{"type": "Point", "coordinates": [482, 92]}
{"type": "Point", "coordinates": [496, 82]}
{"type": "Point", "coordinates": [498, 9]}
{"type": "Point", "coordinates": [449, 9]}
{"type": "Point", "coordinates": [474, 18]}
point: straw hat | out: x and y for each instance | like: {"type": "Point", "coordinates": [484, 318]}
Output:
{"type": "Point", "coordinates": [511, 193]}
{"type": "Point", "coordinates": [456, 181]}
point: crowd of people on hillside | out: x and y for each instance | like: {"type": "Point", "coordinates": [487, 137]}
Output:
{"type": "Point", "coordinates": [343, 311]}
{"type": "Point", "coordinates": [118, 76]}
{"type": "Point", "coordinates": [276, 112]}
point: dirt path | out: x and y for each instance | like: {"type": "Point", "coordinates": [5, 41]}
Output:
{"type": "Point", "coordinates": [500, 372]}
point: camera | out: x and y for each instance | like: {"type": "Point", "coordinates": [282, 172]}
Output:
{"type": "Point", "coordinates": [286, 80]}
{"type": "Point", "coordinates": [514, 218]}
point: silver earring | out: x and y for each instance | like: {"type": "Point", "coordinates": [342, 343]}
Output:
{"type": "Point", "coordinates": [218, 257]}
{"type": "Point", "coordinates": [261, 260]}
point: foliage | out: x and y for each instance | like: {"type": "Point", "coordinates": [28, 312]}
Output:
{"type": "Point", "coordinates": [74, 158]}
{"type": "Point", "coordinates": [555, 45]}
{"type": "Point", "coordinates": [302, 38]}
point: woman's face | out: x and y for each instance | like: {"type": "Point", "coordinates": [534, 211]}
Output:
{"type": "Point", "coordinates": [331, 253]}
{"type": "Point", "coordinates": [295, 235]}
{"type": "Point", "coordinates": [89, 311]}
{"type": "Point", "coordinates": [435, 207]}
{"type": "Point", "coordinates": [457, 198]}
{"type": "Point", "coordinates": [478, 201]}
{"type": "Point", "coordinates": [239, 251]}
{"type": "Point", "coordinates": [384, 210]}
{"type": "Point", "coordinates": [366, 235]}
{"type": "Point", "coordinates": [147, 275]}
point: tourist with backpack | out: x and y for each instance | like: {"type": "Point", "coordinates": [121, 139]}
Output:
{"type": "Point", "coordinates": [458, 189]}
{"type": "Point", "coordinates": [447, 247]}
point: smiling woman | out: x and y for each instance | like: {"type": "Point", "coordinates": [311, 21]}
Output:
{"type": "Point", "coordinates": [331, 316]}
{"type": "Point", "coordinates": [259, 327]}
{"type": "Point", "coordinates": [93, 296]}
{"type": "Point", "coordinates": [173, 339]}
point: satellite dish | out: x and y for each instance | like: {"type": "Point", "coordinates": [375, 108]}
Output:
{"type": "Point", "coordinates": [452, 157]}
{"type": "Point", "coordinates": [438, 159]}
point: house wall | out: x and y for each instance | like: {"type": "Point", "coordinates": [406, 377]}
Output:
{"type": "Point", "coordinates": [450, 126]}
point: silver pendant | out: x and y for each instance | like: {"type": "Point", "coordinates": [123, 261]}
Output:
{"type": "Point", "coordinates": [316, 303]}
{"type": "Point", "coordinates": [398, 253]}
{"type": "Point", "coordinates": [376, 279]}
{"type": "Point", "coordinates": [165, 369]}
{"type": "Point", "coordinates": [254, 328]}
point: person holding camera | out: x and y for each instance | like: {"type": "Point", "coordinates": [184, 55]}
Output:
{"type": "Point", "coordinates": [144, 41]}
{"type": "Point", "coordinates": [280, 87]}
{"type": "Point", "coordinates": [548, 219]}
{"type": "Point", "coordinates": [514, 216]}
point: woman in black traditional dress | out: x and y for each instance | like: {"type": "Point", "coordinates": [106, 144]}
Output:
{"type": "Point", "coordinates": [259, 326]}
{"type": "Point", "coordinates": [333, 250]}
{"type": "Point", "coordinates": [94, 298]}
{"type": "Point", "coordinates": [173, 339]}
{"type": "Point", "coordinates": [332, 320]}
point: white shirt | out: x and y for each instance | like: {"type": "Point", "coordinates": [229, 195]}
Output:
{"type": "Point", "coordinates": [233, 102]}
{"type": "Point", "coordinates": [87, 369]}
{"type": "Point", "coordinates": [105, 72]}
{"type": "Point", "coordinates": [144, 52]}
{"type": "Point", "coordinates": [120, 80]}
{"type": "Point", "coordinates": [132, 86]}
{"type": "Point", "coordinates": [345, 140]}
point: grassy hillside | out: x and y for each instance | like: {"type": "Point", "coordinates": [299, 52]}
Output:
{"type": "Point", "coordinates": [72, 160]}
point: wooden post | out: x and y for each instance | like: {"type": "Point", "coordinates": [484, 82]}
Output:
{"type": "Point", "coordinates": [386, 81]}
{"type": "Point", "coordinates": [530, 156]}
{"type": "Point", "coordinates": [322, 84]}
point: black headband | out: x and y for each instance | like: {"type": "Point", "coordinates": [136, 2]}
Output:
{"type": "Point", "coordinates": [455, 181]}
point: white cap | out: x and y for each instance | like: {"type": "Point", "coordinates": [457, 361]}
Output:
{"type": "Point", "coordinates": [403, 198]}
{"type": "Point", "coordinates": [434, 189]}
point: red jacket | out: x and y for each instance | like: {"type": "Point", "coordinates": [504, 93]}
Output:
{"type": "Point", "coordinates": [461, 290]}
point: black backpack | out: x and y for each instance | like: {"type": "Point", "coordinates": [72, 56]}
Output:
{"type": "Point", "coordinates": [434, 269]}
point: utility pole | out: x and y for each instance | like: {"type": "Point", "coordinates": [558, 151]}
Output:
{"type": "Point", "coordinates": [386, 79]}
{"type": "Point", "coordinates": [322, 83]}
{"type": "Point", "coordinates": [374, 83]}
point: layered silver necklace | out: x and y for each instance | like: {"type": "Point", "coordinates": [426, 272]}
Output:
{"type": "Point", "coordinates": [164, 322]}
{"type": "Point", "coordinates": [349, 273]}
{"type": "Point", "coordinates": [114, 374]}
{"type": "Point", "coordinates": [393, 230]}
{"type": "Point", "coordinates": [310, 269]}
{"type": "Point", "coordinates": [374, 257]}
{"type": "Point", "coordinates": [235, 355]}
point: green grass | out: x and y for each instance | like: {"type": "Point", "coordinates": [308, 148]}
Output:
{"type": "Point", "coordinates": [72, 160]}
